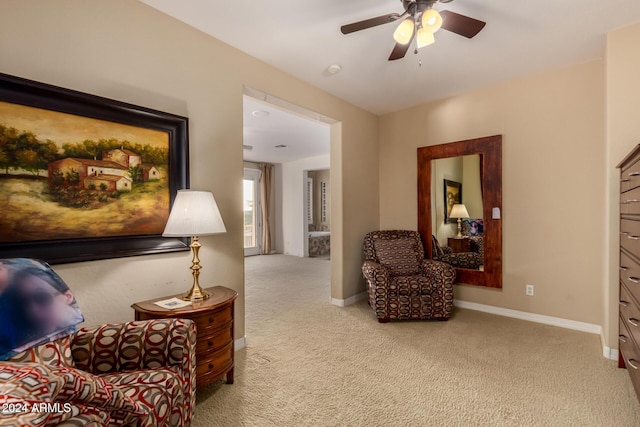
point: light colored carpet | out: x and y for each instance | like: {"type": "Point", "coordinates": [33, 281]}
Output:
{"type": "Point", "coordinates": [308, 363]}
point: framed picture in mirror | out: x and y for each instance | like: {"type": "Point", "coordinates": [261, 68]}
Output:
{"type": "Point", "coordinates": [452, 196]}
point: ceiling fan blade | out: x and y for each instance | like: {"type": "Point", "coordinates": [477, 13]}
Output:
{"type": "Point", "coordinates": [400, 50]}
{"type": "Point", "coordinates": [368, 23]}
{"type": "Point", "coordinates": [460, 24]}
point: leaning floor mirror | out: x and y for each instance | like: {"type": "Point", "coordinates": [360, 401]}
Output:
{"type": "Point", "coordinates": [460, 207]}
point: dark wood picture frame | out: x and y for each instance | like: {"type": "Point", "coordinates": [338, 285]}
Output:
{"type": "Point", "coordinates": [29, 93]}
{"type": "Point", "coordinates": [490, 151]}
{"type": "Point", "coordinates": [447, 186]}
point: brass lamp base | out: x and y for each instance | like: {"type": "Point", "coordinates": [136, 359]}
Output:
{"type": "Point", "coordinates": [459, 236]}
{"type": "Point", "coordinates": [196, 293]}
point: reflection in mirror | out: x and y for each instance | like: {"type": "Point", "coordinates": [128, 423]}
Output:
{"type": "Point", "coordinates": [457, 180]}
{"type": "Point", "coordinates": [463, 180]}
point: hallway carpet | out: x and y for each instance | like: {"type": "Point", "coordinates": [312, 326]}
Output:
{"type": "Point", "coordinates": [308, 363]}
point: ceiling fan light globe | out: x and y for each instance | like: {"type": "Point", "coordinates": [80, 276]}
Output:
{"type": "Point", "coordinates": [424, 38]}
{"type": "Point", "coordinates": [404, 32]}
{"type": "Point", "coordinates": [431, 20]}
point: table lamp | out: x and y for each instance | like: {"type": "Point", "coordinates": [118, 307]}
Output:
{"type": "Point", "coordinates": [194, 213]}
{"type": "Point", "coordinates": [459, 211]}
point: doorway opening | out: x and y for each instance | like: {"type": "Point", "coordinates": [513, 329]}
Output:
{"type": "Point", "coordinates": [292, 144]}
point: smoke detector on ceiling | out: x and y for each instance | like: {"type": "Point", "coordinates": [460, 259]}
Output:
{"type": "Point", "coordinates": [334, 69]}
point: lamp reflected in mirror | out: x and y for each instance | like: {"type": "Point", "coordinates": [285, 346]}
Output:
{"type": "Point", "coordinates": [459, 211]}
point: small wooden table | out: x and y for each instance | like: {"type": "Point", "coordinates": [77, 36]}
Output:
{"type": "Point", "coordinates": [214, 330]}
{"type": "Point", "coordinates": [459, 245]}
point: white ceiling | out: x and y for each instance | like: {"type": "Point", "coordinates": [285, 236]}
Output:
{"type": "Point", "coordinates": [303, 38]}
{"type": "Point", "coordinates": [302, 136]}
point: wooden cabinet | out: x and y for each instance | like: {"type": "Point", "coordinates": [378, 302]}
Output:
{"type": "Point", "coordinates": [629, 303]}
{"type": "Point", "coordinates": [214, 331]}
{"type": "Point", "coordinates": [459, 245]}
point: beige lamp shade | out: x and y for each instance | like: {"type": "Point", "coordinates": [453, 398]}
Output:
{"type": "Point", "coordinates": [404, 32]}
{"type": "Point", "coordinates": [431, 20]}
{"type": "Point", "coordinates": [194, 213]}
{"type": "Point", "coordinates": [424, 38]}
{"type": "Point", "coordinates": [459, 211]}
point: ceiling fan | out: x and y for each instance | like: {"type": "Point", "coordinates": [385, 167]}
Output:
{"type": "Point", "coordinates": [420, 21]}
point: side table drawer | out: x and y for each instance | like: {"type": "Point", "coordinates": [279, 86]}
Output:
{"type": "Point", "coordinates": [215, 341]}
{"type": "Point", "coordinates": [209, 322]}
{"type": "Point", "coordinates": [216, 364]}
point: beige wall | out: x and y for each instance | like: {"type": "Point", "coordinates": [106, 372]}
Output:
{"type": "Point", "coordinates": [472, 185]}
{"type": "Point", "coordinates": [623, 134]}
{"type": "Point", "coordinates": [124, 50]}
{"type": "Point", "coordinates": [553, 128]}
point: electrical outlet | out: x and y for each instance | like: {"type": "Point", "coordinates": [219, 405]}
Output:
{"type": "Point", "coordinates": [529, 290]}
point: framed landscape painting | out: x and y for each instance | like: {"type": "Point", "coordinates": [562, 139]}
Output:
{"type": "Point", "coordinates": [84, 177]}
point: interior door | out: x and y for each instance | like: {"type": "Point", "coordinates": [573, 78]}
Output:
{"type": "Point", "coordinates": [252, 212]}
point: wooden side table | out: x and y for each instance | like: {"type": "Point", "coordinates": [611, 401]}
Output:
{"type": "Point", "coordinates": [459, 245]}
{"type": "Point", "coordinates": [214, 331]}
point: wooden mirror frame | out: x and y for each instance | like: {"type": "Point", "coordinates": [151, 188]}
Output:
{"type": "Point", "coordinates": [490, 151]}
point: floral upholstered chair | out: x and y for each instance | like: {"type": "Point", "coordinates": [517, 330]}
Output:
{"type": "Point", "coordinates": [133, 373]}
{"type": "Point", "coordinates": [402, 284]}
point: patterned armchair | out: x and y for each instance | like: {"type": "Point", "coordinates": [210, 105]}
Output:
{"type": "Point", "coordinates": [135, 373]}
{"type": "Point", "coordinates": [402, 284]}
{"type": "Point", "coordinates": [469, 260]}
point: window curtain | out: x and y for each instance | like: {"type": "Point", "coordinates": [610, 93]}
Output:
{"type": "Point", "coordinates": [265, 196]}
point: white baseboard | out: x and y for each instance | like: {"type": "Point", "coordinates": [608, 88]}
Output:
{"type": "Point", "coordinates": [532, 317]}
{"type": "Point", "coordinates": [609, 353]}
{"type": "Point", "coordinates": [351, 300]}
{"type": "Point", "coordinates": [240, 343]}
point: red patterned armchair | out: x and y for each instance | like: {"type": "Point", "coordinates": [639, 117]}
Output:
{"type": "Point", "coordinates": [402, 284]}
{"type": "Point", "coordinates": [135, 373]}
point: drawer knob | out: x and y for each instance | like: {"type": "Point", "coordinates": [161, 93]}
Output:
{"type": "Point", "coordinates": [633, 365]}
{"type": "Point", "coordinates": [625, 180]}
{"type": "Point", "coordinates": [631, 237]}
{"type": "Point", "coordinates": [624, 303]}
{"type": "Point", "coordinates": [211, 320]}
{"type": "Point", "coordinates": [633, 321]}
{"type": "Point", "coordinates": [626, 202]}
{"type": "Point", "coordinates": [210, 343]}
{"type": "Point", "coordinates": [210, 365]}
{"type": "Point", "coordinates": [622, 338]}
{"type": "Point", "coordinates": [623, 268]}
{"type": "Point", "coordinates": [634, 174]}
{"type": "Point", "coordinates": [634, 279]}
